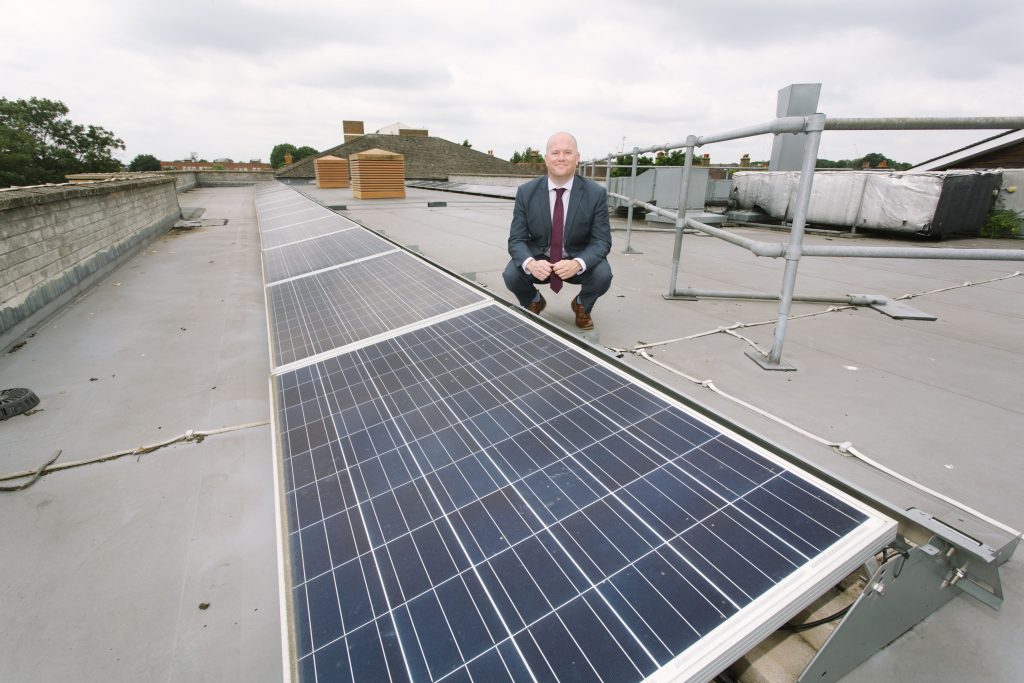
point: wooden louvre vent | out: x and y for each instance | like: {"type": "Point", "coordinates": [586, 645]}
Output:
{"type": "Point", "coordinates": [377, 174]}
{"type": "Point", "coordinates": [331, 171]}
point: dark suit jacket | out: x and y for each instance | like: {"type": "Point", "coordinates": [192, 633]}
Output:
{"type": "Point", "coordinates": [588, 233]}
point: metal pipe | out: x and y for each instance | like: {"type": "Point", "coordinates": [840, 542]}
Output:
{"type": "Point", "coordinates": [768, 249]}
{"type": "Point", "coordinates": [776, 249]}
{"type": "Point", "coordinates": [846, 300]}
{"type": "Point", "coordinates": [681, 214]}
{"type": "Point", "coordinates": [925, 123]}
{"type": "Point", "coordinates": [651, 208]}
{"type": "Point", "coordinates": [785, 124]}
{"type": "Point", "coordinates": [916, 252]}
{"type": "Point", "coordinates": [632, 193]}
{"type": "Point", "coordinates": [797, 124]}
{"type": "Point", "coordinates": [816, 123]}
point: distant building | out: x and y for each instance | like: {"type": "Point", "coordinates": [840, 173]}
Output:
{"type": "Point", "coordinates": [1005, 150]}
{"type": "Point", "coordinates": [426, 157]}
{"type": "Point", "coordinates": [399, 128]}
{"type": "Point", "coordinates": [206, 165]}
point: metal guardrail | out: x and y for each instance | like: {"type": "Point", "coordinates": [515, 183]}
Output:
{"type": "Point", "coordinates": [811, 126]}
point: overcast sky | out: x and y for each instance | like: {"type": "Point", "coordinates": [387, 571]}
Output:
{"type": "Point", "coordinates": [232, 78]}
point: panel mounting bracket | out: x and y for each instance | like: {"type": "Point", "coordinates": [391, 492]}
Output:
{"type": "Point", "coordinates": [901, 592]}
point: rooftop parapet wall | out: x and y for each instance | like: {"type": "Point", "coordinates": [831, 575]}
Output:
{"type": "Point", "coordinates": [186, 180]}
{"type": "Point", "coordinates": [232, 178]}
{"type": "Point", "coordinates": [55, 240]}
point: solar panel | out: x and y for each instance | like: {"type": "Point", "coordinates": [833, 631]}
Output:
{"type": "Point", "coordinates": [327, 310]}
{"type": "Point", "coordinates": [305, 230]}
{"type": "Point", "coordinates": [288, 214]}
{"type": "Point", "coordinates": [469, 497]}
{"type": "Point", "coordinates": [476, 499]}
{"type": "Point", "coordinates": [312, 255]}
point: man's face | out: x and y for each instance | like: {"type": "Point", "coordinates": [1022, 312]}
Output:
{"type": "Point", "coordinates": [561, 157]}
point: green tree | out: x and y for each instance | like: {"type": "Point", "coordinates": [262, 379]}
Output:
{"type": "Point", "coordinates": [466, 143]}
{"type": "Point", "coordinates": [303, 152]}
{"type": "Point", "coordinates": [676, 157]}
{"type": "Point", "coordinates": [876, 159]}
{"type": "Point", "coordinates": [144, 162]}
{"type": "Point", "coordinates": [39, 144]}
{"type": "Point", "coordinates": [277, 155]}
{"type": "Point", "coordinates": [527, 156]}
{"type": "Point", "coordinates": [873, 159]}
{"type": "Point", "coordinates": [627, 160]}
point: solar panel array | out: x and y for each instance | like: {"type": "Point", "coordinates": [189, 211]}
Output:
{"type": "Point", "coordinates": [326, 252]}
{"type": "Point", "coordinates": [343, 284]}
{"type": "Point", "coordinates": [471, 498]}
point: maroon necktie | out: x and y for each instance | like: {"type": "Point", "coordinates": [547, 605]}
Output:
{"type": "Point", "coordinates": [557, 230]}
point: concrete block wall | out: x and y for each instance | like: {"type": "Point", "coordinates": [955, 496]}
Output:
{"type": "Point", "coordinates": [56, 240]}
{"type": "Point", "coordinates": [232, 178]}
{"type": "Point", "coordinates": [1012, 178]}
{"type": "Point", "coordinates": [185, 180]}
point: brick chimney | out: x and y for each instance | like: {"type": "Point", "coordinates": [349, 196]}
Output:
{"type": "Point", "coordinates": [706, 160]}
{"type": "Point", "coordinates": [287, 158]}
{"type": "Point", "coordinates": [352, 129]}
{"type": "Point", "coordinates": [745, 160]}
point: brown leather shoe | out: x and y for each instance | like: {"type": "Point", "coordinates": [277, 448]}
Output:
{"type": "Point", "coordinates": [583, 320]}
{"type": "Point", "coordinates": [537, 306]}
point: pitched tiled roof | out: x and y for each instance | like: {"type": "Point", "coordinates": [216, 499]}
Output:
{"type": "Point", "coordinates": [426, 158]}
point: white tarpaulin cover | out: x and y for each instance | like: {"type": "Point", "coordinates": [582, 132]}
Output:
{"type": "Point", "coordinates": [863, 199]}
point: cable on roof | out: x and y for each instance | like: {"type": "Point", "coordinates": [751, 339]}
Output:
{"type": "Point", "coordinates": [35, 477]}
{"type": "Point", "coordinates": [728, 329]}
{"type": "Point", "coordinates": [844, 448]}
{"type": "Point", "coordinates": [796, 628]}
{"type": "Point", "coordinates": [192, 435]}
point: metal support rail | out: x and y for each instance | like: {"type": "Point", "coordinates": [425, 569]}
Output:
{"type": "Point", "coordinates": [812, 126]}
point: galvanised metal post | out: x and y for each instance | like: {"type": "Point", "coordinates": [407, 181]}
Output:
{"type": "Point", "coordinates": [684, 191]}
{"type": "Point", "coordinates": [815, 124]}
{"type": "Point", "coordinates": [608, 176]}
{"type": "Point", "coordinates": [632, 198]}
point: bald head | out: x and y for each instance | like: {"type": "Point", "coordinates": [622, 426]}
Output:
{"type": "Point", "coordinates": [561, 157]}
{"type": "Point", "coordinates": [563, 138]}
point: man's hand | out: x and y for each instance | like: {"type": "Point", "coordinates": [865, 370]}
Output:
{"type": "Point", "coordinates": [539, 269]}
{"type": "Point", "coordinates": [566, 268]}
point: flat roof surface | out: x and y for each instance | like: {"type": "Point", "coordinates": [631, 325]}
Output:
{"type": "Point", "coordinates": [939, 402]}
{"type": "Point", "coordinates": [105, 566]}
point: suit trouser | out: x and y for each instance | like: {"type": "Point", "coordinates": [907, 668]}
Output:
{"type": "Point", "coordinates": [594, 282]}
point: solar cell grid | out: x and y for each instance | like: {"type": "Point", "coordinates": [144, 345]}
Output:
{"type": "Point", "coordinates": [475, 500]}
{"type": "Point", "coordinates": [280, 214]}
{"type": "Point", "coordinates": [287, 213]}
{"type": "Point", "coordinates": [324, 252]}
{"type": "Point", "coordinates": [316, 314]}
{"type": "Point", "coordinates": [274, 239]}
